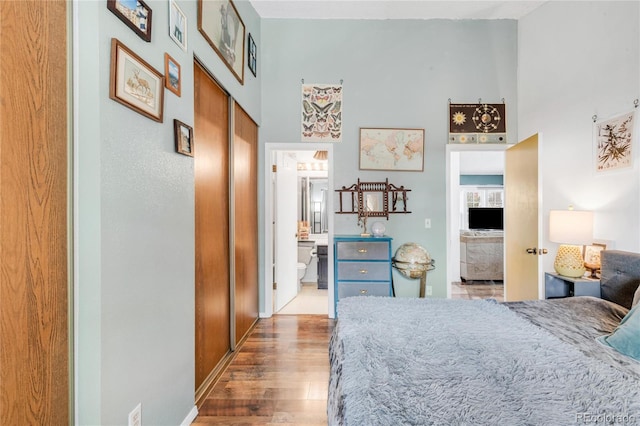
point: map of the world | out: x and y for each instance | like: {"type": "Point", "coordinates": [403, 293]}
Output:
{"type": "Point", "coordinates": [392, 149]}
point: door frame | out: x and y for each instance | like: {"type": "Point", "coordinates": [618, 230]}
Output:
{"type": "Point", "coordinates": [270, 149]}
{"type": "Point", "coordinates": [452, 174]}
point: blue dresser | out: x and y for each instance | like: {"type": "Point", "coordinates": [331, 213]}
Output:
{"type": "Point", "coordinates": [362, 266]}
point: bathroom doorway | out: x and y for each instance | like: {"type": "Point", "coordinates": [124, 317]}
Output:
{"type": "Point", "coordinates": [298, 262]}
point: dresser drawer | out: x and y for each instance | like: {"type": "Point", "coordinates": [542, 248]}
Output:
{"type": "Point", "coordinates": [363, 289]}
{"type": "Point", "coordinates": [370, 250]}
{"type": "Point", "coordinates": [364, 271]}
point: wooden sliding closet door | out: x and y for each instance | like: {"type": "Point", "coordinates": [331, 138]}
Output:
{"type": "Point", "coordinates": [34, 253]}
{"type": "Point", "coordinates": [211, 157]}
{"type": "Point", "coordinates": [245, 187]}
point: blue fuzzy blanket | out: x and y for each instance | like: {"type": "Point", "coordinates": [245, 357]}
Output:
{"type": "Point", "coordinates": [398, 361]}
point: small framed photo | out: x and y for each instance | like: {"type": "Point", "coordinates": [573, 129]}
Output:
{"type": "Point", "coordinates": [172, 76]}
{"type": "Point", "coordinates": [134, 83]}
{"type": "Point", "coordinates": [177, 25]}
{"type": "Point", "coordinates": [184, 138]}
{"type": "Point", "coordinates": [252, 60]}
{"type": "Point", "coordinates": [592, 254]}
{"type": "Point", "coordinates": [135, 13]}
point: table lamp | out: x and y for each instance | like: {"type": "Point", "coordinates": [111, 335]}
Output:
{"type": "Point", "coordinates": [572, 229]}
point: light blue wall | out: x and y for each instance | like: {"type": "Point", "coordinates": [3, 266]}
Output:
{"type": "Point", "coordinates": [135, 232]}
{"type": "Point", "coordinates": [396, 74]}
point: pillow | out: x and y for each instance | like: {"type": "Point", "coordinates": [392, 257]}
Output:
{"type": "Point", "coordinates": [626, 337]}
{"type": "Point", "coordinates": [636, 297]}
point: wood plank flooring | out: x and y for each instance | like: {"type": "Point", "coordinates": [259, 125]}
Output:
{"type": "Point", "coordinates": [279, 376]}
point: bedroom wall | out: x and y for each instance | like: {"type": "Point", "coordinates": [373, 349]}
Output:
{"type": "Point", "coordinates": [568, 70]}
{"type": "Point", "coordinates": [134, 230]}
{"type": "Point", "coordinates": [396, 74]}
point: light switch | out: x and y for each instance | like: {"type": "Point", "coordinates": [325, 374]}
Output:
{"type": "Point", "coordinates": [427, 223]}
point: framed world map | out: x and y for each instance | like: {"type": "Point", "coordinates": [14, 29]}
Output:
{"type": "Point", "coordinates": [392, 149]}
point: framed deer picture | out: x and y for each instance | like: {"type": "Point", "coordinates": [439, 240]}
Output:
{"type": "Point", "coordinates": [134, 83]}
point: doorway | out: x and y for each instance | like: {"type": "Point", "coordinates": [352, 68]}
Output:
{"type": "Point", "coordinates": [481, 165]}
{"type": "Point", "coordinates": [282, 228]}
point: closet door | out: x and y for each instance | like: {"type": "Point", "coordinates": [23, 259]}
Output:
{"type": "Point", "coordinates": [211, 170]}
{"type": "Point", "coordinates": [34, 220]}
{"type": "Point", "coordinates": [245, 183]}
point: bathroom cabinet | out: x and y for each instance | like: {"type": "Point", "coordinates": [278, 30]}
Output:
{"type": "Point", "coordinates": [322, 251]}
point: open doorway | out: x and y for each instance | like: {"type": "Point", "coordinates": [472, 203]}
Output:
{"type": "Point", "coordinates": [475, 201]}
{"type": "Point", "coordinates": [298, 229]}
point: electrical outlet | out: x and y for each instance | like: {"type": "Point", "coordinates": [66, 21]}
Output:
{"type": "Point", "coordinates": [429, 290]}
{"type": "Point", "coordinates": [135, 417]}
{"type": "Point", "coordinates": [427, 223]}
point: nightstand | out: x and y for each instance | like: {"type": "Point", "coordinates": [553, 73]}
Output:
{"type": "Point", "coordinates": [556, 286]}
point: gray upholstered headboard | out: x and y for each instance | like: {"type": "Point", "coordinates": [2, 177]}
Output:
{"type": "Point", "coordinates": [620, 276]}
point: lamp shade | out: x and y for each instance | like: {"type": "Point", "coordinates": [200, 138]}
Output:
{"type": "Point", "coordinates": [321, 155]}
{"type": "Point", "coordinates": [571, 227]}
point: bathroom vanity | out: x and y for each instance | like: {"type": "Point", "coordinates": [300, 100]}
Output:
{"type": "Point", "coordinates": [323, 253]}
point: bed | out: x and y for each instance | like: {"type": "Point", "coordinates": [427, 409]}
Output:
{"type": "Point", "coordinates": [405, 361]}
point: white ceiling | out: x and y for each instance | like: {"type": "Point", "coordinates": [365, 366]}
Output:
{"type": "Point", "coordinates": [394, 9]}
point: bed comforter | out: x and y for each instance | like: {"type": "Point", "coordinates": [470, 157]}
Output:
{"type": "Point", "coordinates": [401, 361]}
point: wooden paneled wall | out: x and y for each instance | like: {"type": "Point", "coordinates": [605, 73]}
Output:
{"type": "Point", "coordinates": [245, 184]}
{"type": "Point", "coordinates": [34, 286]}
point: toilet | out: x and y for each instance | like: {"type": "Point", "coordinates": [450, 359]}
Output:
{"type": "Point", "coordinates": [305, 254]}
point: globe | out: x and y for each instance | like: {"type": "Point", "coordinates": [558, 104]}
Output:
{"type": "Point", "coordinates": [377, 229]}
{"type": "Point", "coordinates": [412, 260]}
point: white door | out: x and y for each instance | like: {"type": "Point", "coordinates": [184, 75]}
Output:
{"type": "Point", "coordinates": [286, 227]}
{"type": "Point", "coordinates": [523, 221]}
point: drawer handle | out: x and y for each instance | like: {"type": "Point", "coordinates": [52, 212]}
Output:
{"type": "Point", "coordinates": [364, 271]}
{"type": "Point", "coordinates": [362, 250]}
{"type": "Point", "coordinates": [363, 291]}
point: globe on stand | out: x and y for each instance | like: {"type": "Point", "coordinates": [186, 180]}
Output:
{"type": "Point", "coordinates": [413, 261]}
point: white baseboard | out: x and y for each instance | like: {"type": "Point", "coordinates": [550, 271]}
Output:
{"type": "Point", "coordinates": [263, 315]}
{"type": "Point", "coordinates": [190, 417]}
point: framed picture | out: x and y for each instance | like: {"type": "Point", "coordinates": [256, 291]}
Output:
{"type": "Point", "coordinates": [183, 135]}
{"type": "Point", "coordinates": [252, 58]}
{"type": "Point", "coordinates": [134, 83]}
{"type": "Point", "coordinates": [613, 142]}
{"type": "Point", "coordinates": [172, 77]}
{"type": "Point", "coordinates": [221, 25]}
{"type": "Point", "coordinates": [135, 13]}
{"type": "Point", "coordinates": [592, 254]}
{"type": "Point", "coordinates": [392, 149]}
{"type": "Point", "coordinates": [177, 25]}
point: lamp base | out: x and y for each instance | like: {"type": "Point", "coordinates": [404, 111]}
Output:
{"type": "Point", "coordinates": [569, 261]}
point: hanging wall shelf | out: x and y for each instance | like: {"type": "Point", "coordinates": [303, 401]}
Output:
{"type": "Point", "coordinates": [373, 199]}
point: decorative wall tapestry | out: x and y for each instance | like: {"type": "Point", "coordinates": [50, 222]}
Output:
{"type": "Point", "coordinates": [321, 113]}
{"type": "Point", "coordinates": [392, 149]}
{"type": "Point", "coordinates": [477, 123]}
{"type": "Point", "coordinates": [613, 142]}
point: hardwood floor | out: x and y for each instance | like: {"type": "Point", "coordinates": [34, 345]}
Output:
{"type": "Point", "coordinates": [279, 376]}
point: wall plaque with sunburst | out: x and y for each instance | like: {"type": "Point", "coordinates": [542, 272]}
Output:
{"type": "Point", "coordinates": [477, 123]}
